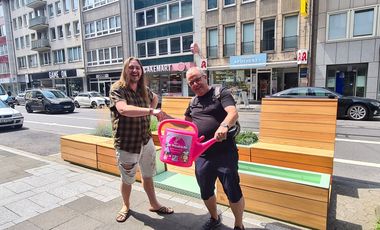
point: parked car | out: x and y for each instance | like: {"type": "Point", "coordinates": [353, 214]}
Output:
{"type": "Point", "coordinates": [48, 100]}
{"type": "Point", "coordinates": [90, 99]}
{"type": "Point", "coordinates": [20, 99]}
{"type": "Point", "coordinates": [10, 117]}
{"type": "Point", "coordinates": [355, 108]}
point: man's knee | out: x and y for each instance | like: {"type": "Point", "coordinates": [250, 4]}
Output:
{"type": "Point", "coordinates": [127, 166]}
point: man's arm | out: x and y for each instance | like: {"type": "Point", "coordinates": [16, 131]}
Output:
{"type": "Point", "coordinates": [132, 111]}
{"type": "Point", "coordinates": [154, 102]}
{"type": "Point", "coordinates": [229, 121]}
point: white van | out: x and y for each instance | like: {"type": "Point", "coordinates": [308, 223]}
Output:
{"type": "Point", "coordinates": [3, 94]}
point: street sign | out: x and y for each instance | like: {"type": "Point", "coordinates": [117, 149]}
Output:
{"type": "Point", "coordinates": [302, 56]}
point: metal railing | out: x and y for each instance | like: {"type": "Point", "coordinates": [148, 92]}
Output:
{"type": "Point", "coordinates": [35, 3]}
{"type": "Point", "coordinates": [41, 44]}
{"type": "Point", "coordinates": [290, 42]}
{"type": "Point", "coordinates": [267, 44]}
{"type": "Point", "coordinates": [212, 51]}
{"type": "Point", "coordinates": [229, 50]}
{"type": "Point", "coordinates": [248, 47]}
{"type": "Point", "coordinates": [38, 22]}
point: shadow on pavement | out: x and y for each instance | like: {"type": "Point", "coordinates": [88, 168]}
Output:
{"type": "Point", "coordinates": [352, 203]}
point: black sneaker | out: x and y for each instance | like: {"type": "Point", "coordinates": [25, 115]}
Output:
{"type": "Point", "coordinates": [238, 228]}
{"type": "Point", "coordinates": [212, 223]}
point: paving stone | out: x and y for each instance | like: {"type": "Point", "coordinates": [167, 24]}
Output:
{"type": "Point", "coordinates": [20, 196]}
{"type": "Point", "coordinates": [83, 221]}
{"type": "Point", "coordinates": [25, 225]}
{"type": "Point", "coordinates": [84, 204]}
{"type": "Point", "coordinates": [94, 181]}
{"type": "Point", "coordinates": [19, 186]}
{"type": "Point", "coordinates": [45, 199]}
{"type": "Point", "coordinates": [24, 207]}
{"type": "Point", "coordinates": [54, 218]}
{"type": "Point", "coordinates": [63, 192]}
{"type": "Point", "coordinates": [37, 181]}
{"type": "Point", "coordinates": [5, 192]}
{"type": "Point", "coordinates": [6, 225]}
{"type": "Point", "coordinates": [106, 191]}
{"type": "Point", "coordinates": [7, 215]}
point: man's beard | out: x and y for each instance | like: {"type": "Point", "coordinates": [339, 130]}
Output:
{"type": "Point", "coordinates": [134, 79]}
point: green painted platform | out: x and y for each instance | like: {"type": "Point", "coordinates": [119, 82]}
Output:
{"type": "Point", "coordinates": [178, 183]}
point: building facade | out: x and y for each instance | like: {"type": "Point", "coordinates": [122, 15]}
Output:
{"type": "Point", "coordinates": [347, 47]}
{"type": "Point", "coordinates": [48, 44]}
{"type": "Point", "coordinates": [163, 33]}
{"type": "Point", "coordinates": [103, 43]}
{"type": "Point", "coordinates": [251, 45]}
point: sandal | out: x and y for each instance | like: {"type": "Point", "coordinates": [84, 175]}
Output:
{"type": "Point", "coordinates": [162, 210]}
{"type": "Point", "coordinates": [122, 216]}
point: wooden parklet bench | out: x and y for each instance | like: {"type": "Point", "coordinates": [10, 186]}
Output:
{"type": "Point", "coordinates": [296, 143]}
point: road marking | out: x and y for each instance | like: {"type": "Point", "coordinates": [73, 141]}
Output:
{"type": "Point", "coordinates": [358, 141]}
{"type": "Point", "coordinates": [83, 118]}
{"type": "Point", "coordinates": [361, 163]}
{"type": "Point", "coordinates": [55, 124]}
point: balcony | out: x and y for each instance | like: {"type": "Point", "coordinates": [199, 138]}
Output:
{"type": "Point", "coordinates": [35, 4]}
{"type": "Point", "coordinates": [38, 23]}
{"type": "Point", "coordinates": [41, 45]}
{"type": "Point", "coordinates": [290, 43]}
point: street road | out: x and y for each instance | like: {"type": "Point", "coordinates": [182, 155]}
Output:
{"type": "Point", "coordinates": [357, 154]}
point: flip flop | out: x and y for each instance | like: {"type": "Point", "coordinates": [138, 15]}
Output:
{"type": "Point", "coordinates": [122, 216]}
{"type": "Point", "coordinates": [162, 210]}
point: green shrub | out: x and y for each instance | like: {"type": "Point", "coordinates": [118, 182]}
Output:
{"type": "Point", "coordinates": [246, 138]}
{"type": "Point", "coordinates": [105, 129]}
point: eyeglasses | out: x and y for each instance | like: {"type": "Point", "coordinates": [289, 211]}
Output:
{"type": "Point", "coordinates": [196, 80]}
{"type": "Point", "coordinates": [134, 67]}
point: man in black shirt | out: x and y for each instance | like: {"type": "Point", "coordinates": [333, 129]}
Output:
{"type": "Point", "coordinates": [213, 117]}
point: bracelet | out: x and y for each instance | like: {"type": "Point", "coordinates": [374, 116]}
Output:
{"type": "Point", "coordinates": [225, 125]}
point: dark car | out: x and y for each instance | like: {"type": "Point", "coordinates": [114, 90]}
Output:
{"type": "Point", "coordinates": [48, 100]}
{"type": "Point", "coordinates": [355, 108]}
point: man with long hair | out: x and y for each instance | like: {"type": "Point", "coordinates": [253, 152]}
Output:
{"type": "Point", "coordinates": [132, 104]}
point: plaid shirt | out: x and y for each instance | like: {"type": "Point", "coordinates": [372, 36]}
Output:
{"type": "Point", "coordinates": [129, 132]}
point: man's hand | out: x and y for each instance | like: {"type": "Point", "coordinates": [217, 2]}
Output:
{"type": "Point", "coordinates": [221, 134]}
{"type": "Point", "coordinates": [159, 114]}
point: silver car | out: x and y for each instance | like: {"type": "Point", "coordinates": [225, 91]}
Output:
{"type": "Point", "coordinates": [20, 99]}
{"type": "Point", "coordinates": [10, 117]}
{"type": "Point", "coordinates": [89, 99]}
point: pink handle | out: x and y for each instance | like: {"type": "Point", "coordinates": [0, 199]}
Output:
{"type": "Point", "coordinates": [179, 122]}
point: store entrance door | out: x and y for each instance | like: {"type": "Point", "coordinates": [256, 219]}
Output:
{"type": "Point", "coordinates": [104, 87]}
{"type": "Point", "coordinates": [264, 87]}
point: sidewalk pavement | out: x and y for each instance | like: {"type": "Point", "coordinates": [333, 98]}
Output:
{"type": "Point", "coordinates": [47, 193]}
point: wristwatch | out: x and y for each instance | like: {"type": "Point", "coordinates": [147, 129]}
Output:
{"type": "Point", "coordinates": [225, 125]}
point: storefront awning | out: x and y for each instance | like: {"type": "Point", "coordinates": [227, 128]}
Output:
{"type": "Point", "coordinates": [283, 64]}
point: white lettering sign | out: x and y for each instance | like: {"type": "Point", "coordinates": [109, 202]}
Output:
{"type": "Point", "coordinates": [57, 74]}
{"type": "Point", "coordinates": [157, 68]}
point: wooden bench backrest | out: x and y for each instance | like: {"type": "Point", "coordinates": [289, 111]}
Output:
{"type": "Point", "coordinates": [299, 122]}
{"type": "Point", "coordinates": [175, 106]}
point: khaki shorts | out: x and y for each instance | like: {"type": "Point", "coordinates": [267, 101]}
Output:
{"type": "Point", "coordinates": [146, 160]}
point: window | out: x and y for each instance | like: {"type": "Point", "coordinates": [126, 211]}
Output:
{"type": "Point", "coordinates": [229, 2]}
{"type": "Point", "coordinates": [162, 14]}
{"type": "Point", "coordinates": [175, 45]}
{"type": "Point", "coordinates": [337, 26]}
{"type": "Point", "coordinates": [186, 8]}
{"type": "Point", "coordinates": [17, 44]}
{"type": "Point", "coordinates": [22, 44]}
{"type": "Point", "coordinates": [89, 30]}
{"type": "Point", "coordinates": [74, 54]}
{"type": "Point", "coordinates": [27, 40]}
{"type": "Point", "coordinates": [45, 58]}
{"type": "Point", "coordinates": [21, 62]}
{"type": "Point", "coordinates": [32, 60]}
{"type": "Point", "coordinates": [66, 5]}
{"type": "Point", "coordinates": [141, 50]}
{"type": "Point", "coordinates": [2, 31]}
{"type": "Point", "coordinates": [163, 47]}
{"type": "Point", "coordinates": [19, 19]}
{"type": "Point", "coordinates": [76, 27]}
{"type": "Point", "coordinates": [248, 43]}
{"type": "Point", "coordinates": [174, 11]}
{"type": "Point", "coordinates": [75, 5]}
{"type": "Point", "coordinates": [116, 54]}
{"type": "Point", "coordinates": [229, 41]}
{"type": "Point", "coordinates": [186, 43]}
{"type": "Point", "coordinates": [267, 42]}
{"type": "Point", "coordinates": [290, 39]}
{"type": "Point", "coordinates": [59, 56]}
{"type": "Point", "coordinates": [60, 32]}
{"type": "Point", "coordinates": [92, 58]}
{"type": "Point", "coordinates": [140, 19]}
{"type": "Point", "coordinates": [50, 10]}
{"type": "Point", "coordinates": [68, 29]}
{"type": "Point", "coordinates": [25, 19]}
{"type": "Point", "coordinates": [212, 4]}
{"type": "Point", "coordinates": [151, 49]}
{"type": "Point", "coordinates": [58, 8]}
{"type": "Point", "coordinates": [363, 22]}
{"type": "Point", "coordinates": [150, 17]}
{"type": "Point", "coordinates": [212, 43]}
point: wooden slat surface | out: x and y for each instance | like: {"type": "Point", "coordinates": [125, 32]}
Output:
{"type": "Point", "coordinates": [79, 160]}
{"type": "Point", "coordinates": [189, 171]}
{"type": "Point", "coordinates": [175, 106]}
{"type": "Point", "coordinates": [304, 118]}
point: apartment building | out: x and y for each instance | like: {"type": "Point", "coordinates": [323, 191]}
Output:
{"type": "Point", "coordinates": [251, 45]}
{"type": "Point", "coordinates": [347, 47]}
{"type": "Point", "coordinates": [103, 44]}
{"type": "Point", "coordinates": [48, 44]}
{"type": "Point", "coordinates": [163, 33]}
{"type": "Point", "coordinates": [8, 76]}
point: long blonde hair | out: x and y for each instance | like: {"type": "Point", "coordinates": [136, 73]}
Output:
{"type": "Point", "coordinates": [125, 80]}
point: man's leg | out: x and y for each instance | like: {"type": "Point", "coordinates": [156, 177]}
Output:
{"type": "Point", "coordinates": [211, 207]}
{"type": "Point", "coordinates": [125, 193]}
{"type": "Point", "coordinates": [238, 209]}
{"type": "Point", "coordinates": [149, 189]}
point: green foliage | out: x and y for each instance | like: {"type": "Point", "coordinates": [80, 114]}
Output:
{"type": "Point", "coordinates": [103, 129]}
{"type": "Point", "coordinates": [246, 138]}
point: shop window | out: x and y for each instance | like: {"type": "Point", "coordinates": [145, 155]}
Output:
{"type": "Point", "coordinates": [337, 26]}
{"type": "Point", "coordinates": [363, 22]}
{"type": "Point", "coordinates": [212, 43]}
{"type": "Point", "coordinates": [248, 43]}
{"type": "Point", "coordinates": [290, 38]}
{"type": "Point", "coordinates": [268, 32]}
{"type": "Point", "coordinates": [229, 41]}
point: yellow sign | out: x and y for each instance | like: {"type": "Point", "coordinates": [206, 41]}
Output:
{"type": "Point", "coordinates": [304, 7]}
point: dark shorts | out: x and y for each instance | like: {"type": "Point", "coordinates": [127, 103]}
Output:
{"type": "Point", "coordinates": [226, 169]}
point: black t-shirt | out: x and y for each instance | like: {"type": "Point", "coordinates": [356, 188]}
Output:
{"type": "Point", "coordinates": [207, 112]}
